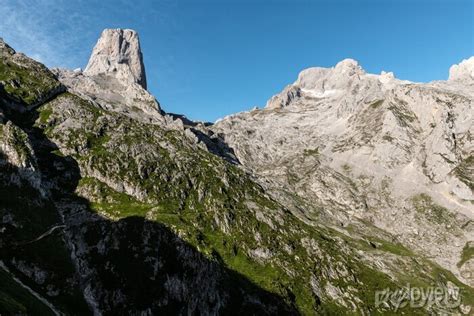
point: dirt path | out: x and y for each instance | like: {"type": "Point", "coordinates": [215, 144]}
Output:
{"type": "Point", "coordinates": [43, 235]}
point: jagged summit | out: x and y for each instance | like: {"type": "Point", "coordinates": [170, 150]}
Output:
{"type": "Point", "coordinates": [115, 77]}
{"type": "Point", "coordinates": [343, 81]}
{"type": "Point", "coordinates": [349, 66]}
{"type": "Point", "coordinates": [308, 78]}
{"type": "Point", "coordinates": [118, 53]}
{"type": "Point", "coordinates": [463, 72]}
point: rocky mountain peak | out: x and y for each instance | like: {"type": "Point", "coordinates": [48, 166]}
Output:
{"type": "Point", "coordinates": [115, 77]}
{"type": "Point", "coordinates": [118, 53]}
{"type": "Point", "coordinates": [334, 82]}
{"type": "Point", "coordinates": [349, 66]}
{"type": "Point", "coordinates": [463, 72]}
{"type": "Point", "coordinates": [308, 78]}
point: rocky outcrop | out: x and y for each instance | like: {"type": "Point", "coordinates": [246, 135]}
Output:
{"type": "Point", "coordinates": [463, 72]}
{"type": "Point", "coordinates": [19, 91]}
{"type": "Point", "coordinates": [118, 54]}
{"type": "Point", "coordinates": [115, 77]}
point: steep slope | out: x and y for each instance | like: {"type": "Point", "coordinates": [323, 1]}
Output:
{"type": "Point", "coordinates": [18, 84]}
{"type": "Point", "coordinates": [110, 209]}
{"type": "Point", "coordinates": [361, 146]}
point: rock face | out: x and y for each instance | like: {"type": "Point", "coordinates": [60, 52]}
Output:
{"type": "Point", "coordinates": [117, 53]}
{"type": "Point", "coordinates": [115, 77]}
{"type": "Point", "coordinates": [109, 206]}
{"type": "Point", "coordinates": [24, 92]}
{"type": "Point", "coordinates": [463, 72]}
{"type": "Point", "coordinates": [371, 147]}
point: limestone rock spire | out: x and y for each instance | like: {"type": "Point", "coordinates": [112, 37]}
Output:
{"type": "Point", "coordinates": [117, 53]}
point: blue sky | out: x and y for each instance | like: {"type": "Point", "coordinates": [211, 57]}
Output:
{"type": "Point", "coordinates": [207, 59]}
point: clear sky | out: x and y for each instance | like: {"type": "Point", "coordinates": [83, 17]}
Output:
{"type": "Point", "coordinates": [207, 59]}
